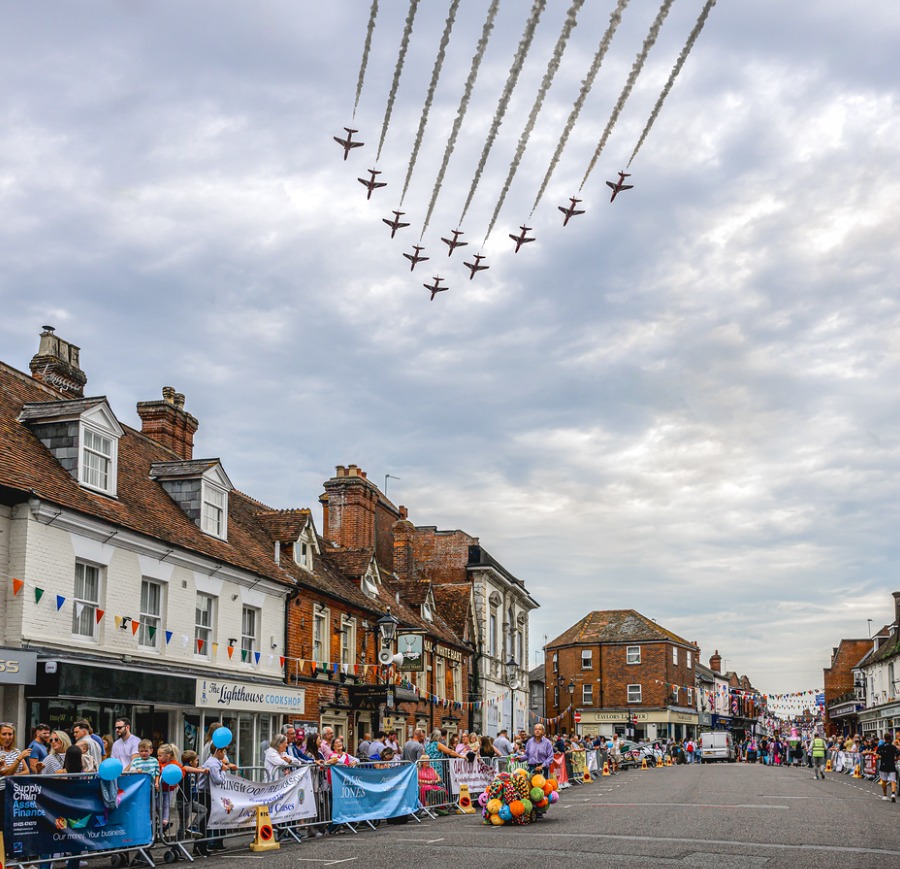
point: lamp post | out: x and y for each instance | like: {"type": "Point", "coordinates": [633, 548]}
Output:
{"type": "Point", "coordinates": [387, 627]}
{"type": "Point", "coordinates": [512, 679]}
{"type": "Point", "coordinates": [571, 689]}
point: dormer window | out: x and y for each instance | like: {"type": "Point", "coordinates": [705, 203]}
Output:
{"type": "Point", "coordinates": [426, 612]}
{"type": "Point", "coordinates": [304, 549]}
{"type": "Point", "coordinates": [215, 510]}
{"type": "Point", "coordinates": [83, 435]}
{"type": "Point", "coordinates": [370, 584]}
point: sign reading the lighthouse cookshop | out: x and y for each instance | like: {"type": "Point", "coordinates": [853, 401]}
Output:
{"type": "Point", "coordinates": [237, 697]}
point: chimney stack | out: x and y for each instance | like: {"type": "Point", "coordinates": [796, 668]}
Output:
{"type": "Point", "coordinates": [168, 423]}
{"type": "Point", "coordinates": [57, 364]}
{"type": "Point", "coordinates": [897, 609]}
{"type": "Point", "coordinates": [715, 662]}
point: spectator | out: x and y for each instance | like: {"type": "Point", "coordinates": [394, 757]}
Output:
{"type": "Point", "coordinates": [208, 747]}
{"type": "Point", "coordinates": [82, 731]}
{"type": "Point", "coordinates": [362, 750]}
{"type": "Point", "coordinates": [502, 744]}
{"type": "Point", "coordinates": [12, 761]}
{"type": "Point", "coordinates": [145, 761]}
{"type": "Point", "coordinates": [125, 747]}
{"type": "Point", "coordinates": [327, 740]}
{"type": "Point", "coordinates": [59, 745]}
{"type": "Point", "coordinates": [40, 746]}
{"type": "Point", "coordinates": [415, 747]}
{"type": "Point", "coordinates": [278, 762]}
{"type": "Point", "coordinates": [377, 745]}
{"type": "Point", "coordinates": [339, 755]}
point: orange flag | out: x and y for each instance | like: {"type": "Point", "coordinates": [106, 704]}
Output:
{"type": "Point", "coordinates": [18, 585]}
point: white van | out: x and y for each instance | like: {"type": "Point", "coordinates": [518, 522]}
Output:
{"type": "Point", "coordinates": [716, 745]}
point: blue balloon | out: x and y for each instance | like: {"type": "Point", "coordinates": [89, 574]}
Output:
{"type": "Point", "coordinates": [222, 737]}
{"type": "Point", "coordinates": [505, 812]}
{"type": "Point", "coordinates": [110, 769]}
{"type": "Point", "coordinates": [172, 774]}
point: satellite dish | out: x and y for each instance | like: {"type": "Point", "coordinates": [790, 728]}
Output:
{"type": "Point", "coordinates": [385, 657]}
{"type": "Point", "coordinates": [397, 660]}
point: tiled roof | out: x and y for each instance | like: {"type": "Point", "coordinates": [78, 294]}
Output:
{"type": "Point", "coordinates": [537, 674]}
{"type": "Point", "coordinates": [182, 469]}
{"type": "Point", "coordinates": [284, 525]}
{"type": "Point", "coordinates": [44, 409]}
{"type": "Point", "coordinates": [352, 562]}
{"type": "Point", "coordinates": [453, 602]}
{"type": "Point", "coordinates": [617, 626]}
{"type": "Point", "coordinates": [411, 617]}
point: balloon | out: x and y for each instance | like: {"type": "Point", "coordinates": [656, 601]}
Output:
{"type": "Point", "coordinates": [537, 794]}
{"type": "Point", "coordinates": [171, 774]}
{"type": "Point", "coordinates": [529, 807]}
{"type": "Point", "coordinates": [483, 799]}
{"type": "Point", "coordinates": [543, 803]}
{"type": "Point", "coordinates": [505, 813]}
{"type": "Point", "coordinates": [110, 769]}
{"type": "Point", "coordinates": [548, 788]}
{"type": "Point", "coordinates": [538, 781]}
{"type": "Point", "coordinates": [554, 797]}
{"type": "Point", "coordinates": [494, 806]}
{"type": "Point", "coordinates": [497, 821]}
{"type": "Point", "coordinates": [222, 737]}
{"type": "Point", "coordinates": [517, 808]}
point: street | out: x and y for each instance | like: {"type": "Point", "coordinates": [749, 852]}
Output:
{"type": "Point", "coordinates": [722, 815]}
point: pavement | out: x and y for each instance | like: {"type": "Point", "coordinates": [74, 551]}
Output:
{"type": "Point", "coordinates": [710, 816]}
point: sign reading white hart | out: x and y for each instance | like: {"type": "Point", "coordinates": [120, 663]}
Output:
{"type": "Point", "coordinates": [233, 803]}
{"type": "Point", "coordinates": [476, 774]}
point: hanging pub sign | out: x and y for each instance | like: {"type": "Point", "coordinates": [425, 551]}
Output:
{"type": "Point", "coordinates": [410, 646]}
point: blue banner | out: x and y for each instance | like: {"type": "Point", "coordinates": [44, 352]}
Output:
{"type": "Point", "coordinates": [365, 793]}
{"type": "Point", "coordinates": [46, 814]}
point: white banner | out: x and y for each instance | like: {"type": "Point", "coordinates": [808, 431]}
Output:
{"type": "Point", "coordinates": [476, 774]}
{"type": "Point", "coordinates": [233, 803]}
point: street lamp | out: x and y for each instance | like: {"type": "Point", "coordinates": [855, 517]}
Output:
{"type": "Point", "coordinates": [387, 627]}
{"type": "Point", "coordinates": [512, 679]}
{"type": "Point", "coordinates": [571, 689]}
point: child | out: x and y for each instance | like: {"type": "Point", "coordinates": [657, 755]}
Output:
{"type": "Point", "coordinates": [166, 755]}
{"type": "Point", "coordinates": [145, 762]}
{"type": "Point", "coordinates": [193, 811]}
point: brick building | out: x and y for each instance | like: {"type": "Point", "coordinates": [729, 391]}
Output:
{"type": "Point", "coordinates": [844, 698]}
{"type": "Point", "coordinates": [616, 667]}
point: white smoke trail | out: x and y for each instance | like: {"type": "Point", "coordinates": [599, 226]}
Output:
{"type": "Point", "coordinates": [674, 74]}
{"type": "Point", "coordinates": [614, 21]}
{"type": "Point", "coordinates": [629, 84]}
{"type": "Point", "coordinates": [401, 57]}
{"type": "Point", "coordinates": [463, 107]}
{"type": "Point", "coordinates": [513, 77]}
{"type": "Point", "coordinates": [429, 99]}
{"type": "Point", "coordinates": [373, 14]}
{"type": "Point", "coordinates": [552, 67]}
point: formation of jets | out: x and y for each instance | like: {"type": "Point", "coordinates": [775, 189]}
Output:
{"type": "Point", "coordinates": [395, 224]}
{"type": "Point", "coordinates": [371, 183]}
{"type": "Point", "coordinates": [569, 211]}
{"type": "Point", "coordinates": [454, 243]}
{"type": "Point", "coordinates": [618, 186]}
{"type": "Point", "coordinates": [436, 287]}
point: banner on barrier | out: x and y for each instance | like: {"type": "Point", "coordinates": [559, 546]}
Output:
{"type": "Point", "coordinates": [233, 803]}
{"type": "Point", "coordinates": [477, 774]}
{"type": "Point", "coordinates": [366, 793]}
{"type": "Point", "coordinates": [50, 814]}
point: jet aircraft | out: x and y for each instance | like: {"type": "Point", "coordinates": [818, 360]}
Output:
{"type": "Point", "coordinates": [371, 183]}
{"type": "Point", "coordinates": [348, 143]}
{"type": "Point", "coordinates": [571, 211]}
{"type": "Point", "coordinates": [436, 287]}
{"type": "Point", "coordinates": [475, 266]}
{"type": "Point", "coordinates": [618, 186]}
{"type": "Point", "coordinates": [414, 257]}
{"type": "Point", "coordinates": [455, 242]}
{"type": "Point", "coordinates": [521, 239]}
{"type": "Point", "coordinates": [394, 224]}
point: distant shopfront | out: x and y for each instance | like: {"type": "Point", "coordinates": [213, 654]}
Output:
{"type": "Point", "coordinates": [652, 724]}
{"type": "Point", "coordinates": [163, 707]}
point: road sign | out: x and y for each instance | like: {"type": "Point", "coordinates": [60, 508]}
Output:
{"type": "Point", "coordinates": [577, 717]}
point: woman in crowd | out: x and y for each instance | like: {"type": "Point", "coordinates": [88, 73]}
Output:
{"type": "Point", "coordinates": [208, 747]}
{"type": "Point", "coordinates": [278, 762]}
{"type": "Point", "coordinates": [55, 760]}
{"type": "Point", "coordinates": [339, 755]}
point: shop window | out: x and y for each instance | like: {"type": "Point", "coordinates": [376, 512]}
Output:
{"type": "Point", "coordinates": [86, 601]}
{"type": "Point", "coordinates": [151, 611]}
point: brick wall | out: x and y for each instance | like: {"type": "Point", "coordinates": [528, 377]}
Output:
{"type": "Point", "coordinates": [839, 676]}
{"type": "Point", "coordinates": [442, 556]}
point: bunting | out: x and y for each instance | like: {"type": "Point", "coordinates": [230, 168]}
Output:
{"type": "Point", "coordinates": [17, 585]}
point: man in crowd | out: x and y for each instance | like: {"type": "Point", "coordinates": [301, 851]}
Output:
{"type": "Point", "coordinates": [503, 745]}
{"type": "Point", "coordinates": [362, 750]}
{"type": "Point", "coordinates": [888, 754]}
{"type": "Point", "coordinates": [40, 746]}
{"type": "Point", "coordinates": [82, 731]}
{"type": "Point", "coordinates": [290, 734]}
{"type": "Point", "coordinates": [327, 739]}
{"type": "Point", "coordinates": [126, 746]}
{"type": "Point", "coordinates": [415, 746]}
{"type": "Point", "coordinates": [377, 745]}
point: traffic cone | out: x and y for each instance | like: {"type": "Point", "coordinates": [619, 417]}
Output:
{"type": "Point", "coordinates": [605, 767]}
{"type": "Point", "coordinates": [465, 800]}
{"type": "Point", "coordinates": [644, 763]}
{"type": "Point", "coordinates": [265, 836]}
{"type": "Point", "coordinates": [828, 765]}
{"type": "Point", "coordinates": [668, 760]}
{"type": "Point", "coordinates": [856, 772]}
{"type": "Point", "coordinates": [586, 778]}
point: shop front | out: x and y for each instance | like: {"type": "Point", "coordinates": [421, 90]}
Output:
{"type": "Point", "coordinates": [18, 668]}
{"type": "Point", "coordinates": [874, 722]}
{"type": "Point", "coordinates": [163, 707]}
{"type": "Point", "coordinates": [651, 724]}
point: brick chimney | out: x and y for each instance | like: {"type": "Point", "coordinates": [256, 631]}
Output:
{"type": "Point", "coordinates": [403, 534]}
{"type": "Point", "coordinates": [348, 508]}
{"type": "Point", "coordinates": [57, 364]}
{"type": "Point", "coordinates": [168, 423]}
{"type": "Point", "coordinates": [897, 609]}
{"type": "Point", "coordinates": [715, 662]}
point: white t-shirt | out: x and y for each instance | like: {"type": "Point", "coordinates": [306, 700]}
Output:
{"type": "Point", "coordinates": [124, 750]}
{"type": "Point", "coordinates": [6, 758]}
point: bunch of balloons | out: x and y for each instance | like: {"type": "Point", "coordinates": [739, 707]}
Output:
{"type": "Point", "coordinates": [517, 798]}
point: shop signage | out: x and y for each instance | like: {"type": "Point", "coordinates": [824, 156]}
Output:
{"type": "Point", "coordinates": [224, 695]}
{"type": "Point", "coordinates": [410, 646]}
{"type": "Point", "coordinates": [17, 667]}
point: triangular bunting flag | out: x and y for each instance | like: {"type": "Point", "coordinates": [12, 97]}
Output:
{"type": "Point", "coordinates": [215, 648]}
{"type": "Point", "coordinates": [281, 661]}
{"type": "Point", "coordinates": [79, 608]}
{"type": "Point", "coordinates": [98, 614]}
{"type": "Point", "coordinates": [168, 637]}
{"type": "Point", "coordinates": [151, 629]}
{"type": "Point", "coordinates": [60, 600]}
{"type": "Point", "coordinates": [257, 657]}
{"type": "Point", "coordinates": [135, 624]}
{"type": "Point", "coordinates": [200, 645]}
{"type": "Point", "coordinates": [118, 621]}
{"type": "Point", "coordinates": [244, 653]}
{"type": "Point", "coordinates": [38, 594]}
{"type": "Point", "coordinates": [18, 585]}
{"type": "Point", "coordinates": [230, 652]}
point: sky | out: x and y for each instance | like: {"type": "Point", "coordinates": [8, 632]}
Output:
{"type": "Point", "coordinates": [682, 402]}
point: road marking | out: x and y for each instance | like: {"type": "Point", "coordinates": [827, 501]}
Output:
{"type": "Point", "coordinates": [325, 861]}
{"type": "Point", "coordinates": [699, 805]}
{"type": "Point", "coordinates": [240, 857]}
{"type": "Point", "coordinates": [421, 841]}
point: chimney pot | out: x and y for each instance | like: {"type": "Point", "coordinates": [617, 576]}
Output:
{"type": "Point", "coordinates": [57, 363]}
{"type": "Point", "coordinates": [168, 394]}
{"type": "Point", "coordinates": [168, 423]}
{"type": "Point", "coordinates": [179, 400]}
